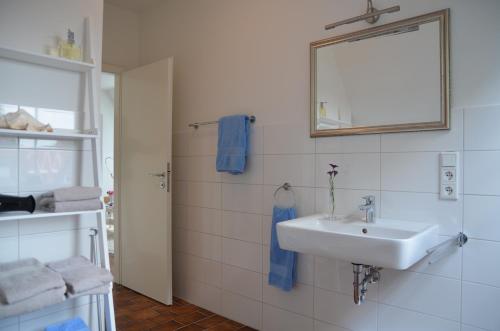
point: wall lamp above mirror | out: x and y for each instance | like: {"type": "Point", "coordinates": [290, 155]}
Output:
{"type": "Point", "coordinates": [389, 78]}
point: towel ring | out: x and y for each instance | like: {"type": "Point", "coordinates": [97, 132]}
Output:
{"type": "Point", "coordinates": [288, 188]}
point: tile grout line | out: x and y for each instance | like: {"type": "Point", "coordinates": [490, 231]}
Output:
{"type": "Point", "coordinates": [18, 193]}
{"type": "Point", "coordinates": [262, 240]}
{"type": "Point", "coordinates": [462, 163]}
{"type": "Point", "coordinates": [377, 303]}
{"type": "Point", "coordinates": [315, 165]}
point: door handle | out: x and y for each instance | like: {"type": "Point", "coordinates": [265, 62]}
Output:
{"type": "Point", "coordinates": [168, 177]}
{"type": "Point", "coordinates": [161, 174]}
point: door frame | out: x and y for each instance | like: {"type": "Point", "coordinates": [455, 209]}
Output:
{"type": "Point", "coordinates": [117, 71]}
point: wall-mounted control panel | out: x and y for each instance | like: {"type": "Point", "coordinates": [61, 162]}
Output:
{"type": "Point", "coordinates": [448, 176]}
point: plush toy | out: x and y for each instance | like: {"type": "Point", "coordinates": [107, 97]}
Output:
{"type": "Point", "coordinates": [22, 120]}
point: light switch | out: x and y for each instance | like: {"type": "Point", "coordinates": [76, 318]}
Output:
{"type": "Point", "coordinates": [448, 179]}
{"type": "Point", "coordinates": [449, 159]}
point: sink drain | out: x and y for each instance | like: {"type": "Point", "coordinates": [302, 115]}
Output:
{"type": "Point", "coordinates": [365, 230]}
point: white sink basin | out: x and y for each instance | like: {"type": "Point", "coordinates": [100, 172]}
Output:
{"type": "Point", "coordinates": [386, 243]}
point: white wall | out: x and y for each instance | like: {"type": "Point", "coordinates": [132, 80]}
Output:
{"type": "Point", "coordinates": [253, 57]}
{"type": "Point", "coordinates": [330, 86]}
{"type": "Point", "coordinates": [120, 37]}
{"type": "Point", "coordinates": [108, 121]}
{"type": "Point", "coordinates": [30, 166]}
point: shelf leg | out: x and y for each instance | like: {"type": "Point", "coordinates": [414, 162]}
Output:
{"type": "Point", "coordinates": [109, 309]}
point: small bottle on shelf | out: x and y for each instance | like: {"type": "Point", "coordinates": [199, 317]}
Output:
{"type": "Point", "coordinates": [68, 49]}
{"type": "Point", "coordinates": [322, 109]}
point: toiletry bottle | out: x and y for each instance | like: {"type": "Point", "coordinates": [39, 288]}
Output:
{"type": "Point", "coordinates": [322, 110]}
{"type": "Point", "coordinates": [68, 49]}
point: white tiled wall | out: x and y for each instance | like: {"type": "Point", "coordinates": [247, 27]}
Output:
{"type": "Point", "coordinates": [223, 222]}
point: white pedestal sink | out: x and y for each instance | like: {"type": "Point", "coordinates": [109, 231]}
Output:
{"type": "Point", "coordinates": [386, 243]}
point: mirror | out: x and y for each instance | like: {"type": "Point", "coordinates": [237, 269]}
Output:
{"type": "Point", "coordinates": [390, 78]}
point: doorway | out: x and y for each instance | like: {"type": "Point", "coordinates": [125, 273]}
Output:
{"type": "Point", "coordinates": [109, 121]}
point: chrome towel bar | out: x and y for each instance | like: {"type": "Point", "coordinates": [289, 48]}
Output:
{"type": "Point", "coordinates": [196, 125]}
{"type": "Point", "coordinates": [443, 249]}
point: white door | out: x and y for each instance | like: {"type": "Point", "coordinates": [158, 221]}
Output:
{"type": "Point", "coordinates": [146, 153]}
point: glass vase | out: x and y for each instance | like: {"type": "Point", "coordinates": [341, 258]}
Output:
{"type": "Point", "coordinates": [332, 203]}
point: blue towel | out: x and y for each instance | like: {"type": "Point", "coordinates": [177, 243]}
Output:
{"type": "Point", "coordinates": [232, 147]}
{"type": "Point", "coordinates": [282, 267]}
{"type": "Point", "coordinates": [75, 324]}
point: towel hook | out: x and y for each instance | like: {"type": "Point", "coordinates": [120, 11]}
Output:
{"type": "Point", "coordinates": [288, 188]}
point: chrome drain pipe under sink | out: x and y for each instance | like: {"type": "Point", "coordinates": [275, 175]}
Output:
{"type": "Point", "coordinates": [363, 275]}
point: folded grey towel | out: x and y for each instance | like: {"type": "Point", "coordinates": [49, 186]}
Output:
{"type": "Point", "coordinates": [20, 280]}
{"type": "Point", "coordinates": [74, 193]}
{"type": "Point", "coordinates": [80, 274]}
{"type": "Point", "coordinates": [94, 291]}
{"type": "Point", "coordinates": [35, 302]}
{"type": "Point", "coordinates": [50, 205]}
{"type": "Point", "coordinates": [29, 262]}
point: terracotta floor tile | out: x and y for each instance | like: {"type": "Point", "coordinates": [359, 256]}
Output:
{"type": "Point", "coordinates": [183, 309]}
{"type": "Point", "coordinates": [123, 322]}
{"type": "Point", "coordinates": [191, 327]}
{"type": "Point", "coordinates": [163, 318]}
{"type": "Point", "coordinates": [169, 326]}
{"type": "Point", "coordinates": [189, 318]}
{"type": "Point", "coordinates": [226, 326]}
{"type": "Point", "coordinates": [211, 321]}
{"type": "Point", "coordinates": [135, 312]}
{"type": "Point", "coordinates": [144, 300]}
{"type": "Point", "coordinates": [144, 314]}
{"type": "Point", "coordinates": [138, 306]}
{"type": "Point", "coordinates": [139, 326]}
{"type": "Point", "coordinates": [162, 309]}
{"type": "Point", "coordinates": [205, 312]}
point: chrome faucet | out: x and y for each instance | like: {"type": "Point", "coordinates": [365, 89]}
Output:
{"type": "Point", "coordinates": [369, 208]}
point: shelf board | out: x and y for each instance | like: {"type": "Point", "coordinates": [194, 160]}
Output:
{"type": "Point", "coordinates": [45, 60]}
{"type": "Point", "coordinates": [331, 121]}
{"type": "Point", "coordinates": [57, 134]}
{"type": "Point", "coordinates": [11, 216]}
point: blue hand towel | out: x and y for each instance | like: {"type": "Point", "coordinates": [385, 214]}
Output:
{"type": "Point", "coordinates": [232, 147]}
{"type": "Point", "coordinates": [282, 268]}
{"type": "Point", "coordinates": [75, 324]}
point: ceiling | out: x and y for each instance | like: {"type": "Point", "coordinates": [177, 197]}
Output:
{"type": "Point", "coordinates": [135, 5]}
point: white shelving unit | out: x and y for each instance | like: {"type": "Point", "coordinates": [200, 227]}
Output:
{"type": "Point", "coordinates": [38, 214]}
{"type": "Point", "coordinates": [57, 134]}
{"type": "Point", "coordinates": [45, 60]}
{"type": "Point", "coordinates": [332, 122]}
{"type": "Point", "coordinates": [86, 68]}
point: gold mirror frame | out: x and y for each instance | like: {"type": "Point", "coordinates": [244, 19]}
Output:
{"type": "Point", "coordinates": [441, 16]}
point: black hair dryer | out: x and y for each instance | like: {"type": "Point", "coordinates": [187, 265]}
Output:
{"type": "Point", "coordinates": [12, 203]}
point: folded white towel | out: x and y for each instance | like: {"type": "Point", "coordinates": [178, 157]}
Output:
{"type": "Point", "coordinates": [21, 280]}
{"type": "Point", "coordinates": [35, 302]}
{"type": "Point", "coordinates": [80, 274]}
{"type": "Point", "coordinates": [50, 205]}
{"type": "Point", "coordinates": [74, 193]}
